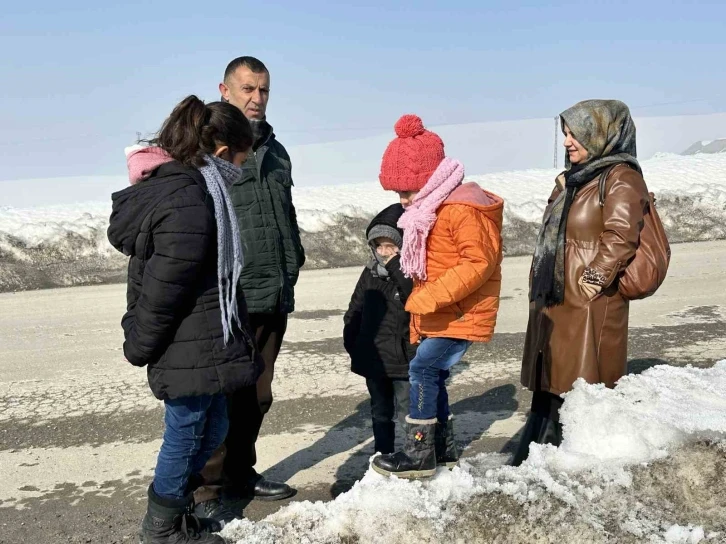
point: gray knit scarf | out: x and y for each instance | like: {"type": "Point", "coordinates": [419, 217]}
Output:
{"type": "Point", "coordinates": [606, 130]}
{"type": "Point", "coordinates": [377, 266]}
{"type": "Point", "coordinates": [220, 174]}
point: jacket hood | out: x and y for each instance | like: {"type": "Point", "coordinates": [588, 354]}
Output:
{"type": "Point", "coordinates": [142, 161]}
{"type": "Point", "coordinates": [471, 194]}
{"type": "Point", "coordinates": [388, 217]}
{"type": "Point", "coordinates": [132, 205]}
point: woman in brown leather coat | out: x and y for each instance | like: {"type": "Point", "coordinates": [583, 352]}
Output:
{"type": "Point", "coordinates": [578, 321]}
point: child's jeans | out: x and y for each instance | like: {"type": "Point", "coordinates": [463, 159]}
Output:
{"type": "Point", "coordinates": [428, 373]}
{"type": "Point", "coordinates": [195, 427]}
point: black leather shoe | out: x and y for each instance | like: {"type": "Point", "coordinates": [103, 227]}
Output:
{"type": "Point", "coordinates": [261, 489]}
{"type": "Point", "coordinates": [216, 510]}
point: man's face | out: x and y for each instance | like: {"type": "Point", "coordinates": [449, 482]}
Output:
{"type": "Point", "coordinates": [247, 90]}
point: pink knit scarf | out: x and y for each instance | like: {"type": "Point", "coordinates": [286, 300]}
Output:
{"type": "Point", "coordinates": [420, 216]}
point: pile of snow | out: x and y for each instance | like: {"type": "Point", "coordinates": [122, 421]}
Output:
{"type": "Point", "coordinates": [53, 225]}
{"type": "Point", "coordinates": [57, 246]}
{"type": "Point", "coordinates": [66, 245]}
{"type": "Point", "coordinates": [641, 463]}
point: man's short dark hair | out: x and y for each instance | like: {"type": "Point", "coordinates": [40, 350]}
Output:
{"type": "Point", "coordinates": [256, 66]}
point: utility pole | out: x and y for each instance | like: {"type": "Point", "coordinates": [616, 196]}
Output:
{"type": "Point", "coordinates": [138, 136]}
{"type": "Point", "coordinates": [557, 128]}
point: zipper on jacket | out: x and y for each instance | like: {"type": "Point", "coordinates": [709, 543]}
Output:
{"type": "Point", "coordinates": [280, 251]}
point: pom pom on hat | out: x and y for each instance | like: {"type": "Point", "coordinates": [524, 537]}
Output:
{"type": "Point", "coordinates": [409, 126]}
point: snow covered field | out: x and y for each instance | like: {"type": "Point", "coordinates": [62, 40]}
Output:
{"type": "Point", "coordinates": [641, 463]}
{"type": "Point", "coordinates": [66, 245]}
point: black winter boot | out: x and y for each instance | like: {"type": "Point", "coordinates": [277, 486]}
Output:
{"type": "Point", "coordinates": [543, 424]}
{"type": "Point", "coordinates": [170, 521]}
{"type": "Point", "coordinates": [447, 452]}
{"type": "Point", "coordinates": [537, 430]}
{"type": "Point", "coordinates": [418, 458]}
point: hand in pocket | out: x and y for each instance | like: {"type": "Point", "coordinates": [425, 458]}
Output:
{"type": "Point", "coordinates": [589, 290]}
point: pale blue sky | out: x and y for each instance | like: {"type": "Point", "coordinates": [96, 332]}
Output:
{"type": "Point", "coordinates": [79, 78]}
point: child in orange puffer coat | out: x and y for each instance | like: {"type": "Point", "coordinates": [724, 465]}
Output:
{"type": "Point", "coordinates": [453, 250]}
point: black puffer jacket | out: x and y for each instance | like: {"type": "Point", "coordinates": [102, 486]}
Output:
{"type": "Point", "coordinates": [173, 322]}
{"type": "Point", "coordinates": [376, 332]}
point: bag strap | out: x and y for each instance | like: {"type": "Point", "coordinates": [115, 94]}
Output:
{"type": "Point", "coordinates": [604, 178]}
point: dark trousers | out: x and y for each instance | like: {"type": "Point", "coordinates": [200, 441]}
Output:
{"type": "Point", "coordinates": [233, 463]}
{"type": "Point", "coordinates": [389, 400]}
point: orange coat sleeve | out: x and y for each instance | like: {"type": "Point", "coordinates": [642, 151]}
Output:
{"type": "Point", "coordinates": [478, 244]}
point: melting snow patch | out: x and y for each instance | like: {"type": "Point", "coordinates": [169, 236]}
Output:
{"type": "Point", "coordinates": [684, 535]}
{"type": "Point", "coordinates": [640, 463]}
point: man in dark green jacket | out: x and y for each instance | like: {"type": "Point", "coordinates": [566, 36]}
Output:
{"type": "Point", "coordinates": [273, 255]}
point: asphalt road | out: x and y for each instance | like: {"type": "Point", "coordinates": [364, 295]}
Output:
{"type": "Point", "coordinates": [79, 428]}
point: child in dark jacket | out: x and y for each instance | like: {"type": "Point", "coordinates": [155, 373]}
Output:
{"type": "Point", "coordinates": [377, 330]}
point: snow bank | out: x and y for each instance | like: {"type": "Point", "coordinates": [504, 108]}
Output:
{"type": "Point", "coordinates": [641, 463]}
{"type": "Point", "coordinates": [66, 245]}
{"type": "Point", "coordinates": [52, 225]}
{"type": "Point", "coordinates": [525, 191]}
{"type": "Point", "coordinates": [57, 246]}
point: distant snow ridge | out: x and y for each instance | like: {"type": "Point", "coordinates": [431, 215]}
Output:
{"type": "Point", "coordinates": [641, 463]}
{"type": "Point", "coordinates": [66, 245]}
{"type": "Point", "coordinates": [707, 146]}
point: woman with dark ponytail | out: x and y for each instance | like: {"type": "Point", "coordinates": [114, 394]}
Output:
{"type": "Point", "coordinates": [185, 320]}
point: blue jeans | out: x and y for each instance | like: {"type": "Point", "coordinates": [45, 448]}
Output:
{"type": "Point", "coordinates": [428, 373]}
{"type": "Point", "coordinates": [195, 427]}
